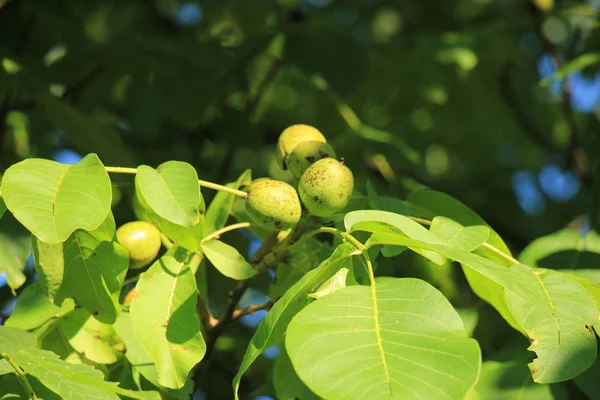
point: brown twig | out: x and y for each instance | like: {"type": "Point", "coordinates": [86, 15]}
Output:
{"type": "Point", "coordinates": [251, 309]}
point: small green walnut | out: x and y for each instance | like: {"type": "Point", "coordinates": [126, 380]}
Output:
{"type": "Point", "coordinates": [305, 154]}
{"type": "Point", "coordinates": [273, 204]}
{"type": "Point", "coordinates": [326, 187]}
{"type": "Point", "coordinates": [141, 239]}
{"type": "Point", "coordinates": [291, 137]}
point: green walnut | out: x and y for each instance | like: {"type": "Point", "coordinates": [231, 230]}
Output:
{"type": "Point", "coordinates": [291, 137]}
{"type": "Point", "coordinates": [273, 204]}
{"type": "Point", "coordinates": [326, 186]}
{"type": "Point", "coordinates": [141, 239]}
{"type": "Point", "coordinates": [305, 154]}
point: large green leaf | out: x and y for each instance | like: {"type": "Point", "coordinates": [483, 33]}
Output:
{"type": "Point", "coordinates": [15, 244]}
{"type": "Point", "coordinates": [561, 333]}
{"type": "Point", "coordinates": [90, 337]}
{"type": "Point", "coordinates": [52, 200]}
{"type": "Point", "coordinates": [436, 203]}
{"type": "Point", "coordinates": [184, 236]}
{"type": "Point", "coordinates": [227, 260]}
{"type": "Point", "coordinates": [33, 308]}
{"type": "Point", "coordinates": [13, 340]}
{"type": "Point", "coordinates": [551, 308]}
{"type": "Point", "coordinates": [165, 320]}
{"type": "Point", "coordinates": [12, 388]}
{"type": "Point", "coordinates": [95, 267]}
{"type": "Point", "coordinates": [567, 251]}
{"type": "Point", "coordinates": [172, 191]}
{"type": "Point", "coordinates": [511, 380]}
{"type": "Point", "coordinates": [140, 359]}
{"type": "Point", "coordinates": [286, 382]}
{"type": "Point", "coordinates": [356, 220]}
{"type": "Point", "coordinates": [84, 132]}
{"type": "Point", "coordinates": [399, 339]}
{"type": "Point", "coordinates": [49, 265]}
{"type": "Point", "coordinates": [273, 326]}
{"type": "Point", "coordinates": [221, 205]}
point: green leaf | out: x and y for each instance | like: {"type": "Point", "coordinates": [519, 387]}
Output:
{"type": "Point", "coordinates": [391, 204]}
{"type": "Point", "coordinates": [568, 252]}
{"type": "Point", "coordinates": [221, 205]}
{"type": "Point", "coordinates": [165, 320]}
{"type": "Point", "coordinates": [141, 361]}
{"type": "Point", "coordinates": [49, 265]}
{"type": "Point", "coordinates": [15, 245]}
{"type": "Point", "coordinates": [172, 191]}
{"type": "Point", "coordinates": [13, 389]}
{"type": "Point", "coordinates": [440, 204]}
{"type": "Point", "coordinates": [561, 333]}
{"type": "Point", "coordinates": [287, 383]}
{"type": "Point", "coordinates": [184, 236]}
{"type": "Point", "coordinates": [95, 267]}
{"type": "Point", "coordinates": [52, 200]}
{"type": "Point", "coordinates": [555, 311]}
{"type": "Point", "coordinates": [400, 339]}
{"type": "Point", "coordinates": [363, 220]}
{"type": "Point", "coordinates": [70, 381]}
{"type": "Point", "coordinates": [5, 367]}
{"type": "Point", "coordinates": [33, 308]}
{"type": "Point", "coordinates": [227, 260]}
{"type": "Point", "coordinates": [2, 207]}
{"type": "Point", "coordinates": [455, 235]}
{"type": "Point", "coordinates": [86, 133]}
{"type": "Point", "coordinates": [331, 285]}
{"type": "Point", "coordinates": [336, 56]}
{"type": "Point", "coordinates": [511, 380]}
{"type": "Point", "coordinates": [13, 340]}
{"type": "Point", "coordinates": [273, 326]}
{"type": "Point", "coordinates": [89, 337]}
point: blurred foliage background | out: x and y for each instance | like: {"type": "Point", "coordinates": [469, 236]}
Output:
{"type": "Point", "coordinates": [495, 102]}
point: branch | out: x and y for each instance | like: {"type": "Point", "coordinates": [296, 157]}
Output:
{"type": "Point", "coordinates": [251, 309]}
{"type": "Point", "coordinates": [22, 376]}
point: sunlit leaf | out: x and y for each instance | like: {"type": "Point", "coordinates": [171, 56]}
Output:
{"type": "Point", "coordinates": [455, 235]}
{"type": "Point", "coordinates": [33, 308]}
{"type": "Point", "coordinates": [15, 245]}
{"type": "Point", "coordinates": [373, 221]}
{"type": "Point", "coordinates": [95, 267]}
{"type": "Point", "coordinates": [561, 333]}
{"type": "Point", "coordinates": [400, 339]}
{"type": "Point", "coordinates": [221, 206]}
{"type": "Point", "coordinates": [90, 337]}
{"type": "Point", "coordinates": [52, 200]}
{"type": "Point", "coordinates": [49, 265]}
{"type": "Point", "coordinates": [172, 191]}
{"type": "Point", "coordinates": [227, 260]}
{"type": "Point", "coordinates": [165, 320]}
{"type": "Point", "coordinates": [273, 326]}
{"type": "Point", "coordinates": [440, 204]}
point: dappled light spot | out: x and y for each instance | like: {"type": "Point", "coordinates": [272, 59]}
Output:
{"type": "Point", "coordinates": [527, 193]}
{"type": "Point", "coordinates": [387, 22]}
{"type": "Point", "coordinates": [189, 14]}
{"type": "Point", "coordinates": [421, 119]}
{"type": "Point", "coordinates": [558, 185]}
{"type": "Point", "coordinates": [437, 160]}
